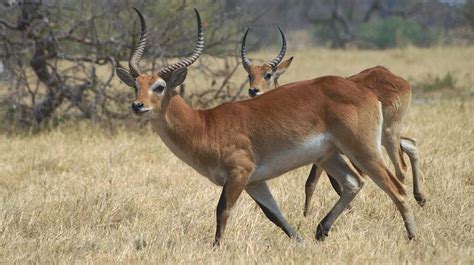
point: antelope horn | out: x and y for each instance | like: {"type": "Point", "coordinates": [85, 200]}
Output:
{"type": "Point", "coordinates": [137, 53]}
{"type": "Point", "coordinates": [243, 51]}
{"type": "Point", "coordinates": [191, 59]}
{"type": "Point", "coordinates": [280, 55]}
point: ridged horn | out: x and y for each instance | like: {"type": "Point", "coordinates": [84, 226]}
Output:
{"type": "Point", "coordinates": [280, 55]}
{"type": "Point", "coordinates": [137, 53]}
{"type": "Point", "coordinates": [193, 57]}
{"type": "Point", "coordinates": [243, 51]}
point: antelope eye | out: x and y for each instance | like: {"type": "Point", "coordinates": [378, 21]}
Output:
{"type": "Point", "coordinates": [268, 76]}
{"type": "Point", "coordinates": [158, 88]}
{"type": "Point", "coordinates": [250, 77]}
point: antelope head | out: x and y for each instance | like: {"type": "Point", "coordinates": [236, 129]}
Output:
{"type": "Point", "coordinates": [264, 77]}
{"type": "Point", "coordinates": [153, 90]}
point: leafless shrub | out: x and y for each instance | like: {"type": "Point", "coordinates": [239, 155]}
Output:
{"type": "Point", "coordinates": [58, 56]}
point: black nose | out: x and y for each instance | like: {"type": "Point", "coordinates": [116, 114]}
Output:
{"type": "Point", "coordinates": [137, 106]}
{"type": "Point", "coordinates": [253, 91]}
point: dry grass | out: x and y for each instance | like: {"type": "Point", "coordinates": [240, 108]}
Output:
{"type": "Point", "coordinates": [78, 194]}
{"type": "Point", "coordinates": [412, 63]}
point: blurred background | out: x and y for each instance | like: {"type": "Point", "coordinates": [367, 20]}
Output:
{"type": "Point", "coordinates": [57, 56]}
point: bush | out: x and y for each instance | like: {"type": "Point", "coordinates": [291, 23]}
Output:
{"type": "Point", "coordinates": [394, 31]}
{"type": "Point", "coordinates": [59, 59]}
{"type": "Point", "coordinates": [448, 81]}
{"type": "Point", "coordinates": [325, 35]}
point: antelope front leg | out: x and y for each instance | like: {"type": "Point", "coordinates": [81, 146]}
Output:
{"type": "Point", "coordinates": [233, 187]}
{"type": "Point", "coordinates": [263, 197]}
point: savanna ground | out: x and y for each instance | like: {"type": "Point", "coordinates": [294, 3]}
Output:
{"type": "Point", "coordinates": [78, 193]}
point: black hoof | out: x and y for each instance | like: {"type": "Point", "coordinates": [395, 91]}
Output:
{"type": "Point", "coordinates": [321, 233]}
{"type": "Point", "coordinates": [216, 244]}
{"type": "Point", "coordinates": [420, 200]}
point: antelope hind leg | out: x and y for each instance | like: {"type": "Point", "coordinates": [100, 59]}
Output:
{"type": "Point", "coordinates": [263, 197]}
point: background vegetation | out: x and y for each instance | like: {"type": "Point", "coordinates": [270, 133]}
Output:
{"type": "Point", "coordinates": [57, 56]}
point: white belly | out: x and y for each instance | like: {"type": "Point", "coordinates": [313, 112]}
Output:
{"type": "Point", "coordinates": [303, 154]}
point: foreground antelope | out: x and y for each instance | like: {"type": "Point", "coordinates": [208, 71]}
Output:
{"type": "Point", "coordinates": [392, 91]}
{"type": "Point", "coordinates": [241, 145]}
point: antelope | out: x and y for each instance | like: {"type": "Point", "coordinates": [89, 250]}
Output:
{"type": "Point", "coordinates": [266, 75]}
{"type": "Point", "coordinates": [240, 145]}
{"type": "Point", "coordinates": [392, 91]}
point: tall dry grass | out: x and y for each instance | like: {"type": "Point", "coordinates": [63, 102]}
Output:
{"type": "Point", "coordinates": [79, 194]}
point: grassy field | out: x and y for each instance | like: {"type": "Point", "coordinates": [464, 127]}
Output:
{"type": "Point", "coordinates": [78, 193]}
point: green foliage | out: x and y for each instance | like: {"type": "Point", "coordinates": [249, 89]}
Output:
{"type": "Point", "coordinates": [469, 12]}
{"type": "Point", "coordinates": [394, 32]}
{"type": "Point", "coordinates": [448, 81]}
{"type": "Point", "coordinates": [326, 35]}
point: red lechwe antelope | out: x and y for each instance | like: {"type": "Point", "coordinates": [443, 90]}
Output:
{"type": "Point", "coordinates": [392, 91]}
{"type": "Point", "coordinates": [241, 145]}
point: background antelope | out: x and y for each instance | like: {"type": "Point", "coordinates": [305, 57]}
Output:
{"type": "Point", "coordinates": [240, 145]}
{"type": "Point", "coordinates": [266, 75]}
{"type": "Point", "coordinates": [393, 91]}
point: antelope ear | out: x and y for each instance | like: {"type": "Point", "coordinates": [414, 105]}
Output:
{"type": "Point", "coordinates": [282, 67]}
{"type": "Point", "coordinates": [177, 77]}
{"type": "Point", "coordinates": [125, 76]}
